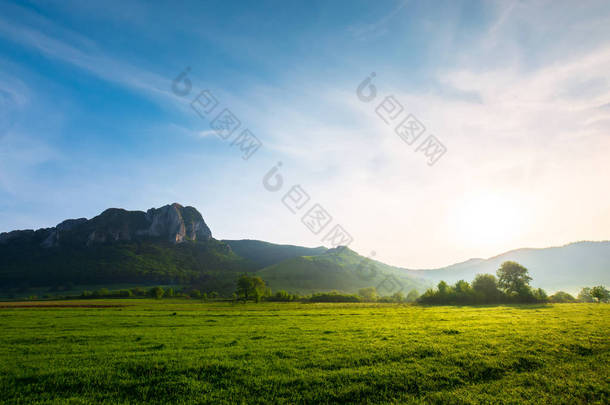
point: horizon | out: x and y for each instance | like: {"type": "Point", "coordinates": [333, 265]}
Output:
{"type": "Point", "coordinates": [361, 253]}
{"type": "Point", "coordinates": [89, 120]}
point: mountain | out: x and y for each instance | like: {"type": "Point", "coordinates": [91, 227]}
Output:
{"type": "Point", "coordinates": [171, 244]}
{"type": "Point", "coordinates": [568, 267]}
{"type": "Point", "coordinates": [174, 245]}
{"type": "Point", "coordinates": [263, 254]}
{"type": "Point", "coordinates": [339, 269]}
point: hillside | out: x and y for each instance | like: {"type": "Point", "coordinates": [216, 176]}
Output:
{"type": "Point", "coordinates": [339, 269]}
{"type": "Point", "coordinates": [263, 254]}
{"type": "Point", "coordinates": [568, 267]}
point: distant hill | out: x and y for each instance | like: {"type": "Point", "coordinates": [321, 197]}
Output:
{"type": "Point", "coordinates": [568, 267]}
{"type": "Point", "coordinates": [263, 254]}
{"type": "Point", "coordinates": [339, 269]}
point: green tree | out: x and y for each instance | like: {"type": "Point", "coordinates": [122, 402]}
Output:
{"type": "Point", "coordinates": [139, 291]}
{"type": "Point", "coordinates": [102, 292]}
{"type": "Point", "coordinates": [485, 287]}
{"type": "Point", "coordinates": [514, 279]}
{"type": "Point", "coordinates": [398, 297]}
{"type": "Point", "coordinates": [368, 293]}
{"type": "Point", "coordinates": [585, 295]}
{"type": "Point", "coordinates": [196, 294]}
{"type": "Point", "coordinates": [250, 286]}
{"type": "Point", "coordinates": [413, 295]}
{"type": "Point", "coordinates": [540, 295]}
{"type": "Point", "coordinates": [156, 292]}
{"type": "Point", "coordinates": [561, 297]}
{"type": "Point", "coordinates": [600, 293]}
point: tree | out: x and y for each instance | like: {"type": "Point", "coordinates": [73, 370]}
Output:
{"type": "Point", "coordinates": [156, 292]}
{"type": "Point", "coordinates": [561, 297]}
{"type": "Point", "coordinates": [443, 287]}
{"type": "Point", "coordinates": [462, 293]}
{"type": "Point", "coordinates": [248, 286]}
{"type": "Point", "coordinates": [368, 293]}
{"type": "Point", "coordinates": [485, 287]}
{"type": "Point", "coordinates": [398, 297]}
{"type": "Point", "coordinates": [138, 291]}
{"type": "Point", "coordinates": [600, 293]}
{"type": "Point", "coordinates": [257, 295]}
{"type": "Point", "coordinates": [196, 294]}
{"type": "Point", "coordinates": [540, 295]}
{"type": "Point", "coordinates": [282, 296]}
{"type": "Point", "coordinates": [514, 279]}
{"type": "Point", "coordinates": [102, 292]}
{"type": "Point", "coordinates": [585, 295]}
{"type": "Point", "coordinates": [412, 296]}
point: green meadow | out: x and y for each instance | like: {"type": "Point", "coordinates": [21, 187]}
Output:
{"type": "Point", "coordinates": [181, 351]}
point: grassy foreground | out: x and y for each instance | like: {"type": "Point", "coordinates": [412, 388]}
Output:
{"type": "Point", "coordinates": [147, 351]}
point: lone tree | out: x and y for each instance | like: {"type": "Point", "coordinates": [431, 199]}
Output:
{"type": "Point", "coordinates": [250, 287]}
{"type": "Point", "coordinates": [513, 278]}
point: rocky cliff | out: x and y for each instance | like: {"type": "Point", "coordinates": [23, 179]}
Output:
{"type": "Point", "coordinates": [174, 223]}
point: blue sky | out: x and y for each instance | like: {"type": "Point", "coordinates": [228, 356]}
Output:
{"type": "Point", "coordinates": [518, 92]}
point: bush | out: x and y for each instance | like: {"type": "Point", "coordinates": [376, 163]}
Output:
{"type": "Point", "coordinates": [281, 296]}
{"type": "Point", "coordinates": [124, 293]}
{"type": "Point", "coordinates": [138, 291]}
{"type": "Point", "coordinates": [333, 296]}
{"type": "Point", "coordinates": [156, 292]}
{"type": "Point", "coordinates": [561, 297]}
{"type": "Point", "coordinates": [368, 294]}
{"type": "Point", "coordinates": [102, 292]}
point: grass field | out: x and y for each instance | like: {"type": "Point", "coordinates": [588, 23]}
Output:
{"type": "Point", "coordinates": [146, 351]}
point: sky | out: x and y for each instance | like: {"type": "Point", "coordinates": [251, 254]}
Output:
{"type": "Point", "coordinates": [97, 110]}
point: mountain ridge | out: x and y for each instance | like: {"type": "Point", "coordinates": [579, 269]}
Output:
{"type": "Point", "coordinates": [173, 244]}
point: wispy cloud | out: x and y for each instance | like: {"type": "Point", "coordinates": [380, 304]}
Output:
{"type": "Point", "coordinates": [85, 54]}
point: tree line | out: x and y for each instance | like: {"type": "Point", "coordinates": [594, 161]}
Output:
{"type": "Point", "coordinates": [511, 286]}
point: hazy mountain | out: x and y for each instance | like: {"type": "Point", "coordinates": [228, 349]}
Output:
{"type": "Point", "coordinates": [568, 267]}
{"type": "Point", "coordinates": [339, 269]}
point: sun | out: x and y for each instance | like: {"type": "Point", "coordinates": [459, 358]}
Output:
{"type": "Point", "coordinates": [487, 218]}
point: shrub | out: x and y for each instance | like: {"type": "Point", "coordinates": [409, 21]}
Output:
{"type": "Point", "coordinates": [333, 296]}
{"type": "Point", "coordinates": [281, 296]}
{"type": "Point", "coordinates": [561, 297]}
{"type": "Point", "coordinates": [156, 292]}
